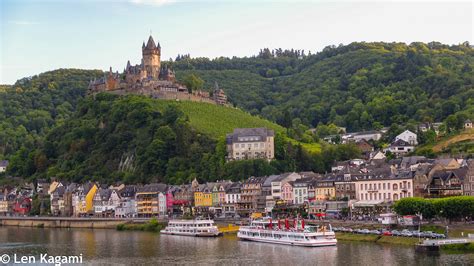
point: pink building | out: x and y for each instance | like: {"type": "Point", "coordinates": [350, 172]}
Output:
{"type": "Point", "coordinates": [169, 200]}
{"type": "Point", "coordinates": [287, 192]}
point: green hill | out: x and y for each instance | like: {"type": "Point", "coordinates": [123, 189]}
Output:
{"type": "Point", "coordinates": [217, 121]}
{"type": "Point", "coordinates": [359, 86]}
{"type": "Point", "coordinates": [139, 139]}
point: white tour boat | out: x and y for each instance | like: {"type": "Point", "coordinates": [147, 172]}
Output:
{"type": "Point", "coordinates": [268, 231]}
{"type": "Point", "coordinates": [191, 228]}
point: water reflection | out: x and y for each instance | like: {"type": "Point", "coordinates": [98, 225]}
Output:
{"type": "Point", "coordinates": [126, 248]}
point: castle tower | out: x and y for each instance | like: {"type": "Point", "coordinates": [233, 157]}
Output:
{"type": "Point", "coordinates": [151, 58]}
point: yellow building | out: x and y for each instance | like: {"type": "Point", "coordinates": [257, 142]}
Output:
{"type": "Point", "coordinates": [3, 207]}
{"type": "Point", "coordinates": [89, 206]}
{"type": "Point", "coordinates": [203, 196]}
{"type": "Point", "coordinates": [325, 190]}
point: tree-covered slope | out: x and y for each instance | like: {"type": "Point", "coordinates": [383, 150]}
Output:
{"type": "Point", "coordinates": [32, 106]}
{"type": "Point", "coordinates": [358, 86]}
{"type": "Point", "coordinates": [139, 139]}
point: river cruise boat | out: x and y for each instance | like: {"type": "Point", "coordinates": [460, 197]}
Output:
{"type": "Point", "coordinates": [191, 228]}
{"type": "Point", "coordinates": [281, 232]}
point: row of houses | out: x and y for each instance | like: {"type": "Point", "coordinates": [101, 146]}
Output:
{"type": "Point", "coordinates": [365, 183]}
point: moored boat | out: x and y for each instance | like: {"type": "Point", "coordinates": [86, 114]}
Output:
{"type": "Point", "coordinates": [191, 228]}
{"type": "Point", "coordinates": [268, 231]}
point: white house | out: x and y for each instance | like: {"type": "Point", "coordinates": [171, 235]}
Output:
{"type": "Point", "coordinates": [162, 203]}
{"type": "Point", "coordinates": [126, 208]}
{"type": "Point", "coordinates": [377, 155]}
{"type": "Point", "coordinates": [106, 201]}
{"type": "Point", "coordinates": [357, 136]}
{"type": "Point", "coordinates": [400, 147]}
{"type": "Point", "coordinates": [300, 190]}
{"type": "Point", "coordinates": [408, 136]}
{"type": "Point", "coordinates": [3, 166]}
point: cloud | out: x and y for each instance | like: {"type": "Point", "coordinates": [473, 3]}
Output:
{"type": "Point", "coordinates": [22, 22]}
{"type": "Point", "coordinates": [153, 2]}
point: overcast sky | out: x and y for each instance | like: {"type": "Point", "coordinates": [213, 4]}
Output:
{"type": "Point", "coordinates": [42, 35]}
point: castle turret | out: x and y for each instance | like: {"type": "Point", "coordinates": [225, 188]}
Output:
{"type": "Point", "coordinates": [151, 58]}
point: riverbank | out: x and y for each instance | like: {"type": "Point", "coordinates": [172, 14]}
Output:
{"type": "Point", "coordinates": [67, 222]}
{"type": "Point", "coordinates": [406, 241]}
{"type": "Point", "coordinates": [458, 248]}
{"type": "Point", "coordinates": [151, 226]}
{"type": "Point", "coordinates": [377, 239]}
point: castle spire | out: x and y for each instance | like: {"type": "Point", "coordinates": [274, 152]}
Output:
{"type": "Point", "coordinates": [151, 43]}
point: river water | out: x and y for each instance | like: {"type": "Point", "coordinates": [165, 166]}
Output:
{"type": "Point", "coordinates": [110, 247]}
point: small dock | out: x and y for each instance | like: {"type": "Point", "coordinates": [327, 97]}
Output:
{"type": "Point", "coordinates": [433, 245]}
{"type": "Point", "coordinates": [231, 228]}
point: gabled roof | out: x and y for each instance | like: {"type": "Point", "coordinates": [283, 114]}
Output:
{"type": "Point", "coordinates": [105, 194]}
{"type": "Point", "coordinates": [60, 191]}
{"type": "Point", "coordinates": [243, 132]}
{"type": "Point", "coordinates": [270, 179]}
{"type": "Point", "coordinates": [400, 143]}
{"type": "Point", "coordinates": [157, 187]}
{"type": "Point", "coordinates": [447, 174]}
{"type": "Point", "coordinates": [445, 161]}
{"type": "Point", "coordinates": [411, 160]}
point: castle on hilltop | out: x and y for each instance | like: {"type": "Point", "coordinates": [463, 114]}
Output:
{"type": "Point", "coordinates": [152, 79]}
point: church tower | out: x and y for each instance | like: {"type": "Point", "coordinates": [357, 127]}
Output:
{"type": "Point", "coordinates": [151, 58]}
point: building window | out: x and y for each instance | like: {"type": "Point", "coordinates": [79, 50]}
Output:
{"type": "Point", "coordinates": [383, 186]}
{"type": "Point", "coordinates": [365, 185]}
{"type": "Point", "coordinates": [380, 186]}
{"type": "Point", "coordinates": [395, 187]}
{"type": "Point", "coordinates": [409, 185]}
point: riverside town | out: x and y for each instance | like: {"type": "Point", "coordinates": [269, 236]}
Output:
{"type": "Point", "coordinates": [168, 132]}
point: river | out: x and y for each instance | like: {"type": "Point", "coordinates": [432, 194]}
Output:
{"type": "Point", "coordinates": [107, 247]}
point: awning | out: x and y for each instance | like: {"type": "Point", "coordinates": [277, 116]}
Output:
{"type": "Point", "coordinates": [368, 203]}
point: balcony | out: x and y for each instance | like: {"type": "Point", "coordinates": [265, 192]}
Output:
{"type": "Point", "coordinates": [445, 187]}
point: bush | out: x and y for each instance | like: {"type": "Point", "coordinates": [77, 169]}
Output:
{"type": "Point", "coordinates": [450, 208]}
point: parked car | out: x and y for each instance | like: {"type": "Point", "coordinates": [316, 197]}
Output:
{"type": "Point", "coordinates": [386, 233]}
{"type": "Point", "coordinates": [396, 233]}
{"type": "Point", "coordinates": [406, 233]}
{"type": "Point", "coordinates": [427, 234]}
{"type": "Point", "coordinates": [365, 231]}
{"type": "Point", "coordinates": [375, 232]}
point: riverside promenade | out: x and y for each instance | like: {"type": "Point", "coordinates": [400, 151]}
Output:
{"type": "Point", "coordinates": [69, 222]}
